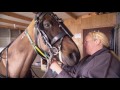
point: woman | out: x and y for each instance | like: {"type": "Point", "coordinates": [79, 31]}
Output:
{"type": "Point", "coordinates": [99, 64]}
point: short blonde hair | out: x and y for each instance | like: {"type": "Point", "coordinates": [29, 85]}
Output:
{"type": "Point", "coordinates": [101, 36]}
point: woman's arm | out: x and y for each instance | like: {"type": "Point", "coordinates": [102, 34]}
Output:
{"type": "Point", "coordinates": [65, 72]}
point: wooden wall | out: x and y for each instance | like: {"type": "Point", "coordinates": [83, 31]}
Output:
{"type": "Point", "coordinates": [87, 22]}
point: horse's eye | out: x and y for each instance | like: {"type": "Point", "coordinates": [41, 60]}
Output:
{"type": "Point", "coordinates": [47, 24]}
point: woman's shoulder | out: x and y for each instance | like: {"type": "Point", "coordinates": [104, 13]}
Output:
{"type": "Point", "coordinates": [102, 58]}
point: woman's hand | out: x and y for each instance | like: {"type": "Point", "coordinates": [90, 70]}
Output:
{"type": "Point", "coordinates": [55, 66]}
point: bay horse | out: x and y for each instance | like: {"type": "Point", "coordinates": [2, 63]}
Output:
{"type": "Point", "coordinates": [47, 36]}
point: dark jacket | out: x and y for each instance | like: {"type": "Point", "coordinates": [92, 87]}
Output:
{"type": "Point", "coordinates": [101, 64]}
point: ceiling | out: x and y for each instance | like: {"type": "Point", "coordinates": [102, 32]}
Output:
{"type": "Point", "coordinates": [20, 20]}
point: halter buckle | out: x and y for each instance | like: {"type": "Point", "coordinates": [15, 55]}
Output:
{"type": "Point", "coordinates": [54, 50]}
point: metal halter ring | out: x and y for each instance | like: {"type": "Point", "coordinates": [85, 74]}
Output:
{"type": "Point", "coordinates": [54, 50]}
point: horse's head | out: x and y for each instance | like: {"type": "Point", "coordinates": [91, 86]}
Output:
{"type": "Point", "coordinates": [57, 37]}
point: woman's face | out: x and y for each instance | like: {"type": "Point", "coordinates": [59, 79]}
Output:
{"type": "Point", "coordinates": [89, 44]}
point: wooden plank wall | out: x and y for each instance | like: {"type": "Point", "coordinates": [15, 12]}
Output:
{"type": "Point", "coordinates": [87, 22]}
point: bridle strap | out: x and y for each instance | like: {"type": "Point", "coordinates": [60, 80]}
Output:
{"type": "Point", "coordinates": [57, 37]}
{"type": "Point", "coordinates": [36, 48]}
{"type": "Point", "coordinates": [29, 38]}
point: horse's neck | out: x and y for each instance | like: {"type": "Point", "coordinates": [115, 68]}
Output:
{"type": "Point", "coordinates": [20, 55]}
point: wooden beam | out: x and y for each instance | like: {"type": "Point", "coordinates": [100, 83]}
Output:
{"type": "Point", "coordinates": [16, 16]}
{"type": "Point", "coordinates": [13, 22]}
{"type": "Point", "coordinates": [72, 15]}
{"type": "Point", "coordinates": [10, 27]}
{"type": "Point", "coordinates": [88, 15]}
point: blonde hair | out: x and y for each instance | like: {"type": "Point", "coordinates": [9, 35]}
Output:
{"type": "Point", "coordinates": [96, 35]}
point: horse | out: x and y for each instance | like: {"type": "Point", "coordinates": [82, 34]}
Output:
{"type": "Point", "coordinates": [47, 36]}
